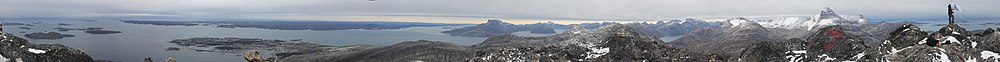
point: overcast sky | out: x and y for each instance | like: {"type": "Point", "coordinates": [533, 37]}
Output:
{"type": "Point", "coordinates": [545, 9]}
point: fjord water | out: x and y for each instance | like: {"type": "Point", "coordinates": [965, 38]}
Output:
{"type": "Point", "coordinates": [139, 41]}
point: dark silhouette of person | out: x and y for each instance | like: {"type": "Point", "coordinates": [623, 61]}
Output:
{"type": "Point", "coordinates": [951, 16]}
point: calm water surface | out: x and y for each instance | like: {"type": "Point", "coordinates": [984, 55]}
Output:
{"type": "Point", "coordinates": [139, 41]}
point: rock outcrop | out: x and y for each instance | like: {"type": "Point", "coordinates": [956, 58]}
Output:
{"type": "Point", "coordinates": [832, 44]}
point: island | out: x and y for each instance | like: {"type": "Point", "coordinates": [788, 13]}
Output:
{"type": "Point", "coordinates": [49, 35]}
{"type": "Point", "coordinates": [91, 30]}
{"type": "Point", "coordinates": [102, 32]}
{"type": "Point", "coordinates": [163, 23]}
{"type": "Point", "coordinates": [63, 24]}
{"type": "Point", "coordinates": [15, 24]}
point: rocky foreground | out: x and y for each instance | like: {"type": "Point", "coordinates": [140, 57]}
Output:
{"type": "Point", "coordinates": [16, 49]}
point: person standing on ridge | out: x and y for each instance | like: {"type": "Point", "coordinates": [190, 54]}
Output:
{"type": "Point", "coordinates": [951, 14]}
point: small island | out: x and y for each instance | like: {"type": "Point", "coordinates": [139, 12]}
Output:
{"type": "Point", "coordinates": [101, 31]}
{"type": "Point", "coordinates": [89, 20]}
{"type": "Point", "coordinates": [23, 27]}
{"type": "Point", "coordinates": [162, 23]}
{"type": "Point", "coordinates": [64, 24]}
{"type": "Point", "coordinates": [15, 24]}
{"type": "Point", "coordinates": [49, 35]}
{"type": "Point", "coordinates": [91, 30]}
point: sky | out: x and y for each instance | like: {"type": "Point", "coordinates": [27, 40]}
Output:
{"type": "Point", "coordinates": [479, 10]}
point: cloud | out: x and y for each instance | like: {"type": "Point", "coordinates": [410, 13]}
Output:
{"type": "Point", "coordinates": [584, 9]}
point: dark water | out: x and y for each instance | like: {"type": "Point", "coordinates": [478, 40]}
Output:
{"type": "Point", "coordinates": [139, 41]}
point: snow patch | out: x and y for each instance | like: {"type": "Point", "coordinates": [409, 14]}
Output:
{"type": "Point", "coordinates": [598, 52]}
{"type": "Point", "coordinates": [4, 59]}
{"type": "Point", "coordinates": [894, 50]}
{"type": "Point", "coordinates": [594, 50]}
{"type": "Point", "coordinates": [942, 57]}
{"type": "Point", "coordinates": [858, 56]}
{"type": "Point", "coordinates": [826, 58]}
{"type": "Point", "coordinates": [737, 22]}
{"type": "Point", "coordinates": [974, 43]}
{"type": "Point", "coordinates": [795, 56]}
{"type": "Point", "coordinates": [924, 41]}
{"type": "Point", "coordinates": [799, 51]}
{"type": "Point", "coordinates": [36, 51]}
{"type": "Point", "coordinates": [416, 61]}
{"type": "Point", "coordinates": [950, 39]}
{"type": "Point", "coordinates": [988, 54]}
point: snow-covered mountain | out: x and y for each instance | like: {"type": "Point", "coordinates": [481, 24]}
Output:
{"type": "Point", "coordinates": [825, 18]}
{"type": "Point", "coordinates": [659, 29]}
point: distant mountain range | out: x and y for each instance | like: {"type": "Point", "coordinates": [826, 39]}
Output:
{"type": "Point", "coordinates": [659, 29]}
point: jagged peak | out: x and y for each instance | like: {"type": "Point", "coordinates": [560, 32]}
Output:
{"type": "Point", "coordinates": [827, 10]}
{"type": "Point", "coordinates": [827, 13]}
{"type": "Point", "coordinates": [690, 19]}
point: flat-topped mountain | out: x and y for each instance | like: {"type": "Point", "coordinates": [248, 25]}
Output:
{"type": "Point", "coordinates": [497, 27]}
